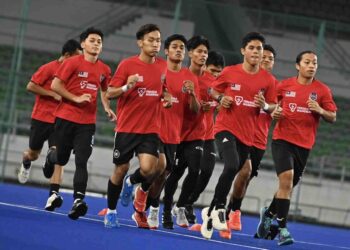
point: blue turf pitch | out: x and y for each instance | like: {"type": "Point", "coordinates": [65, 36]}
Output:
{"type": "Point", "coordinates": [24, 224]}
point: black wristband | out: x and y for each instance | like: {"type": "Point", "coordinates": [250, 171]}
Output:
{"type": "Point", "coordinates": [219, 98]}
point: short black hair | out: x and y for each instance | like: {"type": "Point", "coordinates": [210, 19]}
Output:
{"type": "Point", "coordinates": [70, 47]}
{"type": "Point", "coordinates": [252, 36]}
{"type": "Point", "coordinates": [216, 59]}
{"type": "Point", "coordinates": [196, 41]}
{"type": "Point", "coordinates": [300, 55]}
{"type": "Point", "coordinates": [145, 29]}
{"type": "Point", "coordinates": [271, 49]}
{"type": "Point", "coordinates": [174, 37]}
{"type": "Point", "coordinates": [89, 31]}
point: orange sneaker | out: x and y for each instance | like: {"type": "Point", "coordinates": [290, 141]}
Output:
{"type": "Point", "coordinates": [234, 222]}
{"type": "Point", "coordinates": [226, 234]}
{"type": "Point", "coordinates": [140, 219]}
{"type": "Point", "coordinates": [103, 212]}
{"type": "Point", "coordinates": [140, 200]}
{"type": "Point", "coordinates": [195, 227]}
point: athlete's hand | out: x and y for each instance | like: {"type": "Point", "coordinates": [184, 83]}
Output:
{"type": "Point", "coordinates": [205, 106]}
{"type": "Point", "coordinates": [132, 80]}
{"type": "Point", "coordinates": [167, 100]}
{"type": "Point", "coordinates": [277, 112]}
{"type": "Point", "coordinates": [188, 87]}
{"type": "Point", "coordinates": [83, 98]}
{"type": "Point", "coordinates": [314, 106]}
{"type": "Point", "coordinates": [56, 96]}
{"type": "Point", "coordinates": [259, 100]}
{"type": "Point", "coordinates": [226, 101]}
{"type": "Point", "coordinates": [110, 114]}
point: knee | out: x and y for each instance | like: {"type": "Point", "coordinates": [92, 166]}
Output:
{"type": "Point", "coordinates": [286, 181]}
{"type": "Point", "coordinates": [31, 155]}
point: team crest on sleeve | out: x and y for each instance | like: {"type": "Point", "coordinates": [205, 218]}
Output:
{"type": "Point", "coordinates": [238, 100]}
{"type": "Point", "coordinates": [102, 78]}
{"type": "Point", "coordinates": [210, 90]}
{"type": "Point", "coordinates": [292, 106]}
{"type": "Point", "coordinates": [236, 86]}
{"type": "Point", "coordinates": [313, 96]}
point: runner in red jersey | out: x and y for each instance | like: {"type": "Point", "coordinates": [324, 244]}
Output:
{"type": "Point", "coordinates": [241, 90]}
{"type": "Point", "coordinates": [78, 80]}
{"type": "Point", "coordinates": [172, 119]}
{"type": "Point", "coordinates": [46, 101]}
{"type": "Point", "coordinates": [190, 150]}
{"type": "Point", "coordinates": [214, 66]}
{"type": "Point", "coordinates": [257, 151]}
{"type": "Point", "coordinates": [139, 85]}
{"type": "Point", "coordinates": [304, 100]}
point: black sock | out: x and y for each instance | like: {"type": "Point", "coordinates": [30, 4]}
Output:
{"type": "Point", "coordinates": [145, 186]}
{"type": "Point", "coordinates": [54, 188]}
{"type": "Point", "coordinates": [113, 193]}
{"type": "Point", "coordinates": [154, 202]}
{"type": "Point", "coordinates": [236, 204]}
{"type": "Point", "coordinates": [137, 177]}
{"type": "Point", "coordinates": [27, 163]}
{"type": "Point", "coordinates": [282, 206]}
{"type": "Point", "coordinates": [272, 210]}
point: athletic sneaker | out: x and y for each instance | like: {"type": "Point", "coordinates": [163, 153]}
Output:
{"type": "Point", "coordinates": [54, 201]}
{"type": "Point", "coordinates": [49, 167]}
{"type": "Point", "coordinates": [264, 224]}
{"type": "Point", "coordinates": [284, 237]}
{"type": "Point", "coordinates": [153, 217]}
{"type": "Point", "coordinates": [235, 220]}
{"type": "Point", "coordinates": [140, 199]}
{"type": "Point", "coordinates": [167, 220]}
{"type": "Point", "coordinates": [219, 219]}
{"type": "Point", "coordinates": [111, 220]}
{"type": "Point", "coordinates": [179, 213]}
{"type": "Point", "coordinates": [79, 209]}
{"type": "Point", "coordinates": [23, 174]}
{"type": "Point", "coordinates": [207, 225]}
{"type": "Point", "coordinates": [126, 195]}
{"type": "Point", "coordinates": [226, 234]}
{"type": "Point", "coordinates": [190, 216]}
{"type": "Point", "coordinates": [140, 219]}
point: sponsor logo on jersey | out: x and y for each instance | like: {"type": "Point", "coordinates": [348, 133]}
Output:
{"type": "Point", "coordinates": [238, 100]}
{"type": "Point", "coordinates": [292, 106]}
{"type": "Point", "coordinates": [145, 92]}
{"type": "Point", "coordinates": [87, 85]}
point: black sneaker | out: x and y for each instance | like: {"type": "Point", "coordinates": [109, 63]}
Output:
{"type": "Point", "coordinates": [190, 216]}
{"type": "Point", "coordinates": [79, 209]}
{"type": "Point", "coordinates": [53, 202]}
{"type": "Point", "coordinates": [167, 220]}
{"type": "Point", "coordinates": [49, 166]}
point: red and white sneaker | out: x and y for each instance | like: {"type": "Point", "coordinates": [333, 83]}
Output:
{"type": "Point", "coordinates": [235, 220]}
{"type": "Point", "coordinates": [140, 219]}
{"type": "Point", "coordinates": [140, 199]}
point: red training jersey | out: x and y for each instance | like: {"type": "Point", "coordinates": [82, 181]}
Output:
{"type": "Point", "coordinates": [82, 77]}
{"type": "Point", "coordinates": [138, 109]}
{"type": "Point", "coordinates": [240, 119]}
{"type": "Point", "coordinates": [298, 124]}
{"type": "Point", "coordinates": [172, 118]}
{"type": "Point", "coordinates": [45, 106]}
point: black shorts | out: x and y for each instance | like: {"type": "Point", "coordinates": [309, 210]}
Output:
{"type": "Point", "coordinates": [170, 154]}
{"type": "Point", "coordinates": [225, 142]}
{"type": "Point", "coordinates": [256, 155]}
{"type": "Point", "coordinates": [41, 132]}
{"type": "Point", "coordinates": [126, 144]}
{"type": "Point", "coordinates": [73, 136]}
{"type": "Point", "coordinates": [287, 156]}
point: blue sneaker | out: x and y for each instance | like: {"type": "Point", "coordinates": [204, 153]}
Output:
{"type": "Point", "coordinates": [111, 220]}
{"type": "Point", "coordinates": [126, 195]}
{"type": "Point", "coordinates": [285, 238]}
{"type": "Point", "coordinates": [264, 224]}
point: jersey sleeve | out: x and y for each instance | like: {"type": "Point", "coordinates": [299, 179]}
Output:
{"type": "Point", "coordinates": [270, 96]}
{"type": "Point", "coordinates": [41, 75]}
{"type": "Point", "coordinates": [120, 76]}
{"type": "Point", "coordinates": [66, 69]}
{"type": "Point", "coordinates": [107, 78]}
{"type": "Point", "coordinates": [327, 101]}
{"type": "Point", "coordinates": [220, 84]}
